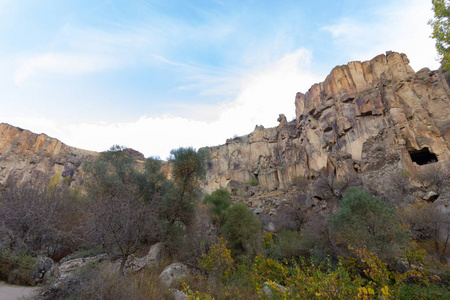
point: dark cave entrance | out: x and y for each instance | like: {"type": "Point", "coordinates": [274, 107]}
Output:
{"type": "Point", "coordinates": [423, 156]}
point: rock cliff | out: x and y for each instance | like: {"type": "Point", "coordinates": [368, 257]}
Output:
{"type": "Point", "coordinates": [363, 117]}
{"type": "Point", "coordinates": [337, 125]}
{"type": "Point", "coordinates": [29, 157]}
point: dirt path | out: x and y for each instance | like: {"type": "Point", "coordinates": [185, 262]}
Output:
{"type": "Point", "coordinates": [12, 292]}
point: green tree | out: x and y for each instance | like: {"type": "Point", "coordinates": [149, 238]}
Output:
{"type": "Point", "coordinates": [219, 201]}
{"type": "Point", "coordinates": [180, 195]}
{"type": "Point", "coordinates": [242, 229]}
{"type": "Point", "coordinates": [188, 168]}
{"type": "Point", "coordinates": [112, 174]}
{"type": "Point", "coordinates": [441, 27]}
{"type": "Point", "coordinates": [152, 181]}
{"type": "Point", "coordinates": [365, 220]}
{"type": "Point", "coordinates": [121, 204]}
{"type": "Point", "coordinates": [177, 207]}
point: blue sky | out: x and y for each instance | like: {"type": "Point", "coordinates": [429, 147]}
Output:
{"type": "Point", "coordinates": [158, 75]}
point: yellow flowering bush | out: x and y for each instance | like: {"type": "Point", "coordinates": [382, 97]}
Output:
{"type": "Point", "coordinates": [218, 261]}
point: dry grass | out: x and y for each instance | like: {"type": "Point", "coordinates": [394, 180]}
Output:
{"type": "Point", "coordinates": [102, 281]}
{"type": "Point", "coordinates": [108, 285]}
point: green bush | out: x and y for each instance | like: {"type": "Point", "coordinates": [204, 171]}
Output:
{"type": "Point", "coordinates": [219, 201]}
{"type": "Point", "coordinates": [290, 243]}
{"type": "Point", "coordinates": [365, 220]}
{"type": "Point", "coordinates": [17, 268]}
{"type": "Point", "coordinates": [253, 182]}
{"type": "Point", "coordinates": [242, 229]}
{"type": "Point", "coordinates": [218, 261]}
{"type": "Point", "coordinates": [175, 240]}
{"type": "Point", "coordinates": [287, 244]}
{"type": "Point", "coordinates": [418, 291]}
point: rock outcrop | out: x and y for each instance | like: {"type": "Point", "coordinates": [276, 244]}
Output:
{"type": "Point", "coordinates": [356, 104]}
{"type": "Point", "coordinates": [30, 157]}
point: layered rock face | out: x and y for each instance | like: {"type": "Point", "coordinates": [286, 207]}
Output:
{"type": "Point", "coordinates": [356, 104]}
{"type": "Point", "coordinates": [29, 157]}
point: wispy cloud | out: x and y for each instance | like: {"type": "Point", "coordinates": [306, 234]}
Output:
{"type": "Point", "coordinates": [61, 64]}
{"type": "Point", "coordinates": [263, 95]}
{"type": "Point", "coordinates": [219, 73]}
{"type": "Point", "coordinates": [401, 26]}
{"type": "Point", "coordinates": [78, 51]}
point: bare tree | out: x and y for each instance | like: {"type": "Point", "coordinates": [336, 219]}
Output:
{"type": "Point", "coordinates": [426, 222]}
{"type": "Point", "coordinates": [122, 203]}
{"type": "Point", "coordinates": [41, 217]}
{"type": "Point", "coordinates": [121, 225]}
{"type": "Point", "coordinates": [317, 235]}
{"type": "Point", "coordinates": [435, 175]}
{"type": "Point", "coordinates": [329, 186]}
{"type": "Point", "coordinates": [398, 188]}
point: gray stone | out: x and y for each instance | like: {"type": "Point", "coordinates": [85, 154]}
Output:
{"type": "Point", "coordinates": [68, 267]}
{"type": "Point", "coordinates": [267, 289]}
{"type": "Point", "coordinates": [172, 273]}
{"type": "Point", "coordinates": [43, 269]}
{"type": "Point", "coordinates": [178, 295]}
{"type": "Point", "coordinates": [153, 257]}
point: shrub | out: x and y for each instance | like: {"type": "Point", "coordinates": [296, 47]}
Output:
{"type": "Point", "coordinates": [242, 230]}
{"type": "Point", "coordinates": [265, 269]}
{"type": "Point", "coordinates": [17, 268]}
{"type": "Point", "coordinates": [301, 183]}
{"type": "Point", "coordinates": [420, 291]}
{"type": "Point", "coordinates": [286, 244]}
{"type": "Point", "coordinates": [316, 235]}
{"type": "Point", "coordinates": [218, 261]}
{"type": "Point", "coordinates": [42, 216]}
{"type": "Point", "coordinates": [175, 240]}
{"type": "Point", "coordinates": [364, 220]}
{"type": "Point", "coordinates": [253, 182]}
{"type": "Point", "coordinates": [435, 175]}
{"type": "Point", "coordinates": [219, 201]}
{"type": "Point", "coordinates": [290, 243]}
{"type": "Point", "coordinates": [201, 235]}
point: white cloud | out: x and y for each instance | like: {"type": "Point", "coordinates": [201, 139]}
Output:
{"type": "Point", "coordinates": [263, 96]}
{"type": "Point", "coordinates": [272, 91]}
{"type": "Point", "coordinates": [400, 27]}
{"type": "Point", "coordinates": [83, 50]}
{"type": "Point", "coordinates": [60, 63]}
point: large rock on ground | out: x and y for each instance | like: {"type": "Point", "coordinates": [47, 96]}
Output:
{"type": "Point", "coordinates": [169, 276]}
{"type": "Point", "coordinates": [152, 258]}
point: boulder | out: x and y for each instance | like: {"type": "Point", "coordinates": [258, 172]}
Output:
{"type": "Point", "coordinates": [152, 258]}
{"type": "Point", "coordinates": [178, 295]}
{"type": "Point", "coordinates": [267, 289]}
{"type": "Point", "coordinates": [43, 269]}
{"type": "Point", "coordinates": [169, 276]}
{"type": "Point", "coordinates": [67, 268]}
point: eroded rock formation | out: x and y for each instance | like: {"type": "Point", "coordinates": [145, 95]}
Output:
{"type": "Point", "coordinates": [29, 157]}
{"type": "Point", "coordinates": [337, 122]}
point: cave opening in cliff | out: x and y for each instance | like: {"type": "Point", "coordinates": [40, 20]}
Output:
{"type": "Point", "coordinates": [423, 156]}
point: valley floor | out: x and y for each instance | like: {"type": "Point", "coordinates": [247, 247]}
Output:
{"type": "Point", "coordinates": [14, 292]}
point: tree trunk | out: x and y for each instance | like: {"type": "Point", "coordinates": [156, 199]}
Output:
{"type": "Point", "coordinates": [122, 264]}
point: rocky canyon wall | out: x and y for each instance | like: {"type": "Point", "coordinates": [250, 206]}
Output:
{"type": "Point", "coordinates": [29, 157]}
{"type": "Point", "coordinates": [341, 117]}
